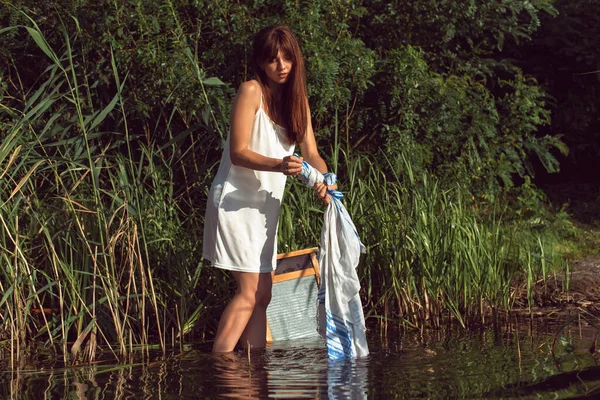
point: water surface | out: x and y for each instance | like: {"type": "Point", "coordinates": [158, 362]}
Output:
{"type": "Point", "coordinates": [514, 363]}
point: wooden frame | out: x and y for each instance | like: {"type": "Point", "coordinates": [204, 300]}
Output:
{"type": "Point", "coordinates": [295, 265]}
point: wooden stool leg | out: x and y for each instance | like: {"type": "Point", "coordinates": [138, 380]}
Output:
{"type": "Point", "coordinates": [269, 336]}
{"type": "Point", "coordinates": [315, 264]}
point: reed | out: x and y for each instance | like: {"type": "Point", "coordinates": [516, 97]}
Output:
{"type": "Point", "coordinates": [100, 227]}
{"type": "Point", "coordinates": [430, 251]}
{"type": "Point", "coordinates": [96, 248]}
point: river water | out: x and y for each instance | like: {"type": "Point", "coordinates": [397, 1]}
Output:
{"type": "Point", "coordinates": [514, 362]}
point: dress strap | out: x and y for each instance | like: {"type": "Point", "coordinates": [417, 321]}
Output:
{"type": "Point", "coordinates": [260, 105]}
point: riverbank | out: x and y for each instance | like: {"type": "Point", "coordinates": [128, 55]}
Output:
{"type": "Point", "coordinates": [580, 247]}
{"type": "Point", "coordinates": [581, 293]}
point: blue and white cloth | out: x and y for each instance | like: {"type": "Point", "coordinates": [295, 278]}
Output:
{"type": "Point", "coordinates": [340, 316]}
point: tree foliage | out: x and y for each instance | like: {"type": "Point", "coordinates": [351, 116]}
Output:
{"type": "Point", "coordinates": [564, 58]}
{"type": "Point", "coordinates": [428, 75]}
{"type": "Point", "coordinates": [113, 117]}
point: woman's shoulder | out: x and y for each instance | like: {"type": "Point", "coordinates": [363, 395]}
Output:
{"type": "Point", "coordinates": [250, 92]}
{"type": "Point", "coordinates": [251, 88]}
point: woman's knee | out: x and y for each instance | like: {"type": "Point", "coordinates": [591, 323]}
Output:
{"type": "Point", "coordinates": [255, 297]}
{"type": "Point", "coordinates": [255, 289]}
{"type": "Point", "coordinates": [264, 290]}
{"type": "Point", "coordinates": [263, 297]}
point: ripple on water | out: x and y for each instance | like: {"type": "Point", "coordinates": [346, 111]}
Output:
{"type": "Point", "coordinates": [432, 365]}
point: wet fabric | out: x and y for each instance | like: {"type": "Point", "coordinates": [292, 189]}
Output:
{"type": "Point", "coordinates": [340, 316]}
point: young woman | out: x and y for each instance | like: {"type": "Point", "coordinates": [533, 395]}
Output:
{"type": "Point", "coordinates": [270, 115]}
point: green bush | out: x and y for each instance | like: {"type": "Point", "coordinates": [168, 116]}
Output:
{"type": "Point", "coordinates": [113, 120]}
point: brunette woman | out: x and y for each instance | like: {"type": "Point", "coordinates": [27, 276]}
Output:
{"type": "Point", "coordinates": [270, 115]}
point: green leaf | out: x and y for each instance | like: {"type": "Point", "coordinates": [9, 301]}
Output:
{"type": "Point", "coordinates": [179, 137]}
{"type": "Point", "coordinates": [108, 108]}
{"type": "Point", "coordinates": [42, 44]}
{"type": "Point", "coordinates": [213, 82]}
{"type": "Point", "coordinates": [10, 28]}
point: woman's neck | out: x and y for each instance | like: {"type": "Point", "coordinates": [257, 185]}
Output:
{"type": "Point", "coordinates": [275, 90]}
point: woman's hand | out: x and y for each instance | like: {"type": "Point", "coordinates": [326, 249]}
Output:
{"type": "Point", "coordinates": [291, 165]}
{"type": "Point", "coordinates": [321, 191]}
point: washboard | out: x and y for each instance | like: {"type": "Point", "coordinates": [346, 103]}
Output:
{"type": "Point", "coordinates": [292, 313]}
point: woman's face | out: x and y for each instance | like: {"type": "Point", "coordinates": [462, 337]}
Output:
{"type": "Point", "coordinates": [278, 69]}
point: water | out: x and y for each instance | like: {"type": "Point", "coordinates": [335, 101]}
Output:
{"type": "Point", "coordinates": [517, 363]}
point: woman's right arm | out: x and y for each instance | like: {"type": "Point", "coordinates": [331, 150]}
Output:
{"type": "Point", "coordinates": [244, 108]}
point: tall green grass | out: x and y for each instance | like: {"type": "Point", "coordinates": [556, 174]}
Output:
{"type": "Point", "coordinates": [100, 227]}
{"type": "Point", "coordinates": [98, 247]}
{"type": "Point", "coordinates": [432, 254]}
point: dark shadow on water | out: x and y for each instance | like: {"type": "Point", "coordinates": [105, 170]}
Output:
{"type": "Point", "coordinates": [585, 382]}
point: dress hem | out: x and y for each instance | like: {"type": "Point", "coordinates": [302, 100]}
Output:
{"type": "Point", "coordinates": [236, 268]}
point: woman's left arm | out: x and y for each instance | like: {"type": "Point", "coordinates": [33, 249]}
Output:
{"type": "Point", "coordinates": [309, 149]}
{"type": "Point", "coordinates": [310, 153]}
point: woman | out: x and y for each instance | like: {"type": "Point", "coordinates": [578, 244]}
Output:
{"type": "Point", "coordinates": [270, 115]}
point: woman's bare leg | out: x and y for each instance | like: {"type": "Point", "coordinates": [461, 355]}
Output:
{"type": "Point", "coordinates": [253, 291]}
{"type": "Point", "coordinates": [256, 329]}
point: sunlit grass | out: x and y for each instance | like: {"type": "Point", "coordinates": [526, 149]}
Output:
{"type": "Point", "coordinates": [95, 249]}
{"type": "Point", "coordinates": [100, 242]}
{"type": "Point", "coordinates": [431, 253]}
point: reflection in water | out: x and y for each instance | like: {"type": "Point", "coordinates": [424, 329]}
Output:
{"type": "Point", "coordinates": [298, 369]}
{"type": "Point", "coordinates": [347, 379]}
{"type": "Point", "coordinates": [430, 365]}
{"type": "Point", "coordinates": [236, 378]}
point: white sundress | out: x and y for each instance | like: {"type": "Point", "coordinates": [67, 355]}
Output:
{"type": "Point", "coordinates": [242, 209]}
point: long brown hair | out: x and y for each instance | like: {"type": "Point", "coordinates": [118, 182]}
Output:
{"type": "Point", "coordinates": [267, 43]}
